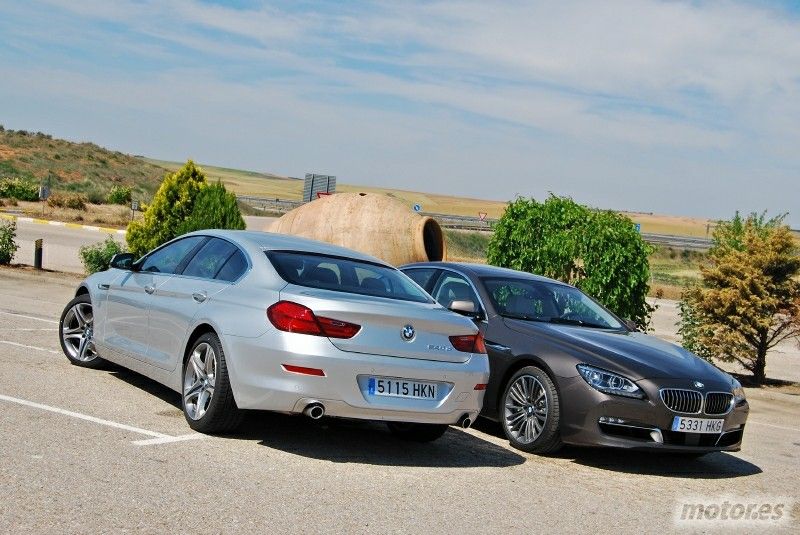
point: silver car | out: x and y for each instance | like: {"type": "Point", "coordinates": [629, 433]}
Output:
{"type": "Point", "coordinates": [250, 320]}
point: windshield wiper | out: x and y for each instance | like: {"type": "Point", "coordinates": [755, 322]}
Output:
{"type": "Point", "coordinates": [581, 323]}
{"type": "Point", "coordinates": [524, 317]}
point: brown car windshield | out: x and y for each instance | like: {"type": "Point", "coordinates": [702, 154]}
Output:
{"type": "Point", "coordinates": [345, 275]}
{"type": "Point", "coordinates": [547, 302]}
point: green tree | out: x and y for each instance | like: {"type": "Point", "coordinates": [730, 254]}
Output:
{"type": "Point", "coordinates": [214, 207]}
{"type": "Point", "coordinates": [173, 207]}
{"type": "Point", "coordinates": [599, 251]}
{"type": "Point", "coordinates": [748, 300]}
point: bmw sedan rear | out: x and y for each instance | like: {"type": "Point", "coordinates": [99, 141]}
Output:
{"type": "Point", "coordinates": [301, 327]}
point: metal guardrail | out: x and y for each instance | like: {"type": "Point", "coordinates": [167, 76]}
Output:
{"type": "Point", "coordinates": [463, 222]}
{"type": "Point", "coordinates": [273, 205]}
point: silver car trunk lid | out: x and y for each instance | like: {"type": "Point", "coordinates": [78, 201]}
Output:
{"type": "Point", "coordinates": [384, 322]}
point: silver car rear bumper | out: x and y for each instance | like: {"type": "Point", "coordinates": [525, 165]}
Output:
{"type": "Point", "coordinates": [260, 383]}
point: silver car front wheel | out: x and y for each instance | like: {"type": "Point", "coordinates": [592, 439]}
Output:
{"type": "Point", "coordinates": [76, 333]}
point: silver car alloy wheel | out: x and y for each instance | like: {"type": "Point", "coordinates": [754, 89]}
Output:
{"type": "Point", "coordinates": [199, 380]}
{"type": "Point", "coordinates": [526, 409]}
{"type": "Point", "coordinates": [77, 332]}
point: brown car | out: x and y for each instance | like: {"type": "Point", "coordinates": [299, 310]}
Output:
{"type": "Point", "coordinates": [566, 370]}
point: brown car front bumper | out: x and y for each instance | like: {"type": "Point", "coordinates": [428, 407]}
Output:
{"type": "Point", "coordinates": [592, 418]}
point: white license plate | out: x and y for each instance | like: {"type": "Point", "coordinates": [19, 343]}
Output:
{"type": "Point", "coordinates": [400, 388]}
{"type": "Point", "coordinates": [697, 425]}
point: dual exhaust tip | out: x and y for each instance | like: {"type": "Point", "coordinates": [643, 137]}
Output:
{"type": "Point", "coordinates": [316, 410]}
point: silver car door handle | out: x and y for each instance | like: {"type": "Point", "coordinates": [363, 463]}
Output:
{"type": "Point", "coordinates": [103, 286]}
{"type": "Point", "coordinates": [149, 289]}
{"type": "Point", "coordinates": [497, 347]}
{"type": "Point", "coordinates": [199, 296]}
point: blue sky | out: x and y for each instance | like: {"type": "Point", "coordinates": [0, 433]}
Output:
{"type": "Point", "coordinates": [687, 108]}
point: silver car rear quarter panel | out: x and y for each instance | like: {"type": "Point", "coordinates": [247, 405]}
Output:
{"type": "Point", "coordinates": [259, 381]}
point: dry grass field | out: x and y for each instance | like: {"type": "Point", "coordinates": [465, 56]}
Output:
{"type": "Point", "coordinates": [273, 186]}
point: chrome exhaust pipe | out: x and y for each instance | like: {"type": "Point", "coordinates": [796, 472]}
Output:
{"type": "Point", "coordinates": [465, 421]}
{"type": "Point", "coordinates": [315, 411]}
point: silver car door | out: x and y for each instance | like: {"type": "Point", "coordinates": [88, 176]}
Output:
{"type": "Point", "coordinates": [177, 303]}
{"type": "Point", "coordinates": [129, 297]}
{"type": "Point", "coordinates": [126, 314]}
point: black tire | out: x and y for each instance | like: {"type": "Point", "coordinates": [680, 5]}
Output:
{"type": "Point", "coordinates": [548, 439]}
{"type": "Point", "coordinates": [75, 334]}
{"type": "Point", "coordinates": [417, 432]}
{"type": "Point", "coordinates": [221, 415]}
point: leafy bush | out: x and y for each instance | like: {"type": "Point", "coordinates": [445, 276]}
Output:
{"type": "Point", "coordinates": [95, 196]}
{"type": "Point", "coordinates": [214, 207]}
{"type": "Point", "coordinates": [76, 201]}
{"type": "Point", "coordinates": [598, 251]}
{"type": "Point", "coordinates": [97, 257]}
{"type": "Point", "coordinates": [749, 297]}
{"type": "Point", "coordinates": [119, 195]}
{"type": "Point", "coordinates": [20, 189]}
{"type": "Point", "coordinates": [173, 210]}
{"type": "Point", "coordinates": [8, 247]}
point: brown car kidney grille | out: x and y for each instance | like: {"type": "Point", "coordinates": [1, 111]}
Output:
{"type": "Point", "coordinates": [718, 402]}
{"type": "Point", "coordinates": [685, 401]}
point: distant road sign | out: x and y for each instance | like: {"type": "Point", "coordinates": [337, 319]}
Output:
{"type": "Point", "coordinates": [44, 193]}
{"type": "Point", "coordinates": [417, 207]}
{"type": "Point", "coordinates": [135, 206]}
{"type": "Point", "coordinates": [482, 216]}
{"type": "Point", "coordinates": [638, 227]}
{"type": "Point", "coordinates": [315, 183]}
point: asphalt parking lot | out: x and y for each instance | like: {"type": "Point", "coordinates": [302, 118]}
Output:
{"type": "Point", "coordinates": [106, 451]}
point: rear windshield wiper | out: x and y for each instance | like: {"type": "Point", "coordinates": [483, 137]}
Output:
{"type": "Point", "coordinates": [581, 323]}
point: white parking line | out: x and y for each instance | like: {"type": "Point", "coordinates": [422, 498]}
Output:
{"type": "Point", "coordinates": [48, 329]}
{"type": "Point", "coordinates": [27, 317]}
{"type": "Point", "coordinates": [157, 438]}
{"type": "Point", "coordinates": [15, 344]}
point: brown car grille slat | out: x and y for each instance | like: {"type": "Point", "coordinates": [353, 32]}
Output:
{"type": "Point", "coordinates": [685, 401]}
{"type": "Point", "coordinates": [718, 402]}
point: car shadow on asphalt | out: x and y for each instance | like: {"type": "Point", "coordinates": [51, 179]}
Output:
{"type": "Point", "coordinates": [365, 442]}
{"type": "Point", "coordinates": [347, 441]}
{"type": "Point", "coordinates": [718, 465]}
{"type": "Point", "coordinates": [144, 383]}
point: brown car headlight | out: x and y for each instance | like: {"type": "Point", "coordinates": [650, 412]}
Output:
{"type": "Point", "coordinates": [609, 383]}
{"type": "Point", "coordinates": [738, 393]}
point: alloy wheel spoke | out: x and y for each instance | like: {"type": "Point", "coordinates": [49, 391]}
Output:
{"type": "Point", "coordinates": [198, 365]}
{"type": "Point", "coordinates": [193, 390]}
{"type": "Point", "coordinates": [515, 393]}
{"type": "Point", "coordinates": [83, 320]}
{"type": "Point", "coordinates": [202, 399]}
{"type": "Point", "coordinates": [209, 359]}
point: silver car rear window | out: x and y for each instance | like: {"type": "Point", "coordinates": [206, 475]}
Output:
{"type": "Point", "coordinates": [345, 275]}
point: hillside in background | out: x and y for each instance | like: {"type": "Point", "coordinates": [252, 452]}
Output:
{"type": "Point", "coordinates": [75, 167]}
{"type": "Point", "coordinates": [92, 170]}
